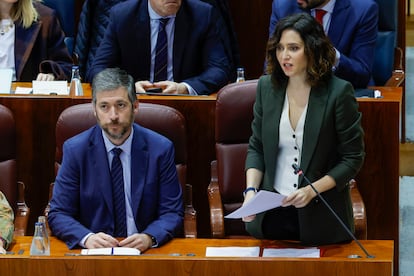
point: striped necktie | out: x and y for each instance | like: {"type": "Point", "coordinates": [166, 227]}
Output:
{"type": "Point", "coordinates": [118, 194]}
{"type": "Point", "coordinates": [161, 52]}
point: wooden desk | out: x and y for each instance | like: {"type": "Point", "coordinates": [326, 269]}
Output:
{"type": "Point", "coordinates": [378, 180]}
{"type": "Point", "coordinates": [159, 261]}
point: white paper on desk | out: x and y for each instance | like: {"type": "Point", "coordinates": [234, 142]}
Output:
{"type": "Point", "coordinates": [312, 252]}
{"type": "Point", "coordinates": [6, 75]}
{"type": "Point", "coordinates": [50, 87]}
{"type": "Point", "coordinates": [233, 251]}
{"type": "Point", "coordinates": [262, 201]}
{"type": "Point", "coordinates": [115, 251]}
{"type": "Point", "coordinates": [23, 90]}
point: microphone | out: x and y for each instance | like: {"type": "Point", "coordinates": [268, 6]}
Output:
{"type": "Point", "coordinates": [299, 172]}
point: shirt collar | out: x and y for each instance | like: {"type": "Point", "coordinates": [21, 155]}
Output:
{"type": "Point", "coordinates": [329, 7]}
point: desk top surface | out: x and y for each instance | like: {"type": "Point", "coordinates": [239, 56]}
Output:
{"type": "Point", "coordinates": [88, 94]}
{"type": "Point", "coordinates": [196, 248]}
{"type": "Point", "coordinates": [388, 93]}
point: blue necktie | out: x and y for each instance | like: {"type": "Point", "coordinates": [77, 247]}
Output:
{"type": "Point", "coordinates": [161, 52]}
{"type": "Point", "coordinates": [118, 194]}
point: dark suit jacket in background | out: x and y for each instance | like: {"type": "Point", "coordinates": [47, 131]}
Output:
{"type": "Point", "coordinates": [82, 196]}
{"type": "Point", "coordinates": [41, 48]}
{"type": "Point", "coordinates": [92, 24]}
{"type": "Point", "coordinates": [353, 32]}
{"type": "Point", "coordinates": [227, 34]}
{"type": "Point", "coordinates": [199, 58]}
{"type": "Point", "coordinates": [332, 145]}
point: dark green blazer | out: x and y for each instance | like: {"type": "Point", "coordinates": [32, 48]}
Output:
{"type": "Point", "coordinates": [332, 145]}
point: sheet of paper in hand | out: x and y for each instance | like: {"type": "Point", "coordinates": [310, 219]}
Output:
{"type": "Point", "coordinates": [262, 201]}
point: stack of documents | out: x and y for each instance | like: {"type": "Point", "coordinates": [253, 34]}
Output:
{"type": "Point", "coordinates": [115, 251]}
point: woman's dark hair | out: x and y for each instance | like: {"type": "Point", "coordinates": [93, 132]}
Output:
{"type": "Point", "coordinates": [318, 49]}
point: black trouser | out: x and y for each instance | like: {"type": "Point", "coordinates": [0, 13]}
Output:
{"type": "Point", "coordinates": [281, 223]}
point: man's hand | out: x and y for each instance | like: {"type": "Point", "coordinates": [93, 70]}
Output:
{"type": "Point", "coordinates": [100, 240]}
{"type": "Point", "coordinates": [141, 86]}
{"type": "Point", "coordinates": [138, 241]}
{"type": "Point", "coordinates": [168, 87]}
{"type": "Point", "coordinates": [45, 77]}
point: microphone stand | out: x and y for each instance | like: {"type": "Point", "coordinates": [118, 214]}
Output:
{"type": "Point", "coordinates": [299, 172]}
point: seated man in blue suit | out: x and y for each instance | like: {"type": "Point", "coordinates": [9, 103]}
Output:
{"type": "Point", "coordinates": [195, 63]}
{"type": "Point", "coordinates": [352, 26]}
{"type": "Point", "coordinates": [85, 209]}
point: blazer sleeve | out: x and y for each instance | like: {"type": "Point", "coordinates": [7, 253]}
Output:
{"type": "Point", "coordinates": [64, 207]}
{"type": "Point", "coordinates": [58, 60]}
{"type": "Point", "coordinates": [216, 66]}
{"type": "Point", "coordinates": [168, 221]}
{"type": "Point", "coordinates": [350, 136]}
{"type": "Point", "coordinates": [355, 65]}
{"type": "Point", "coordinates": [255, 154]}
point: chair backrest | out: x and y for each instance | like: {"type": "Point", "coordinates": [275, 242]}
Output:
{"type": "Point", "coordinates": [233, 130]}
{"type": "Point", "coordinates": [386, 41]}
{"type": "Point", "coordinates": [159, 118]}
{"type": "Point", "coordinates": [65, 10]}
{"type": "Point", "coordinates": [8, 166]}
{"type": "Point", "coordinates": [11, 188]}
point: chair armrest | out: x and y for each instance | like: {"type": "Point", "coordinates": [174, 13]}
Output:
{"type": "Point", "coordinates": [216, 206]}
{"type": "Point", "coordinates": [190, 214]}
{"type": "Point", "coordinates": [182, 175]}
{"type": "Point", "coordinates": [398, 75]}
{"type": "Point", "coordinates": [21, 216]}
{"type": "Point", "coordinates": [396, 79]}
{"type": "Point", "coordinates": [358, 206]}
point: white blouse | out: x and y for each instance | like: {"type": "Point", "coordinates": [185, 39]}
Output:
{"type": "Point", "coordinates": [289, 152]}
{"type": "Point", "coordinates": [7, 33]}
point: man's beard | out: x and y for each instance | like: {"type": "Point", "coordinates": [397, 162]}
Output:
{"type": "Point", "coordinates": [114, 135]}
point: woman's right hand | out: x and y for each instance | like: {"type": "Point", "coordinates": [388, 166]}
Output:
{"type": "Point", "coordinates": [247, 198]}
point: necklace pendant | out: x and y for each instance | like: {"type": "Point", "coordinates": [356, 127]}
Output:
{"type": "Point", "coordinates": [5, 28]}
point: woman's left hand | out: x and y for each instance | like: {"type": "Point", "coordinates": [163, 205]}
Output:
{"type": "Point", "coordinates": [300, 198]}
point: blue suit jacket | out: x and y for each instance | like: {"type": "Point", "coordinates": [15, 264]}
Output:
{"type": "Point", "coordinates": [82, 196]}
{"type": "Point", "coordinates": [199, 58]}
{"type": "Point", "coordinates": [353, 31]}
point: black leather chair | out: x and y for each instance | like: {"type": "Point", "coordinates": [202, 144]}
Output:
{"type": "Point", "coordinates": [234, 114]}
{"type": "Point", "coordinates": [12, 189]}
